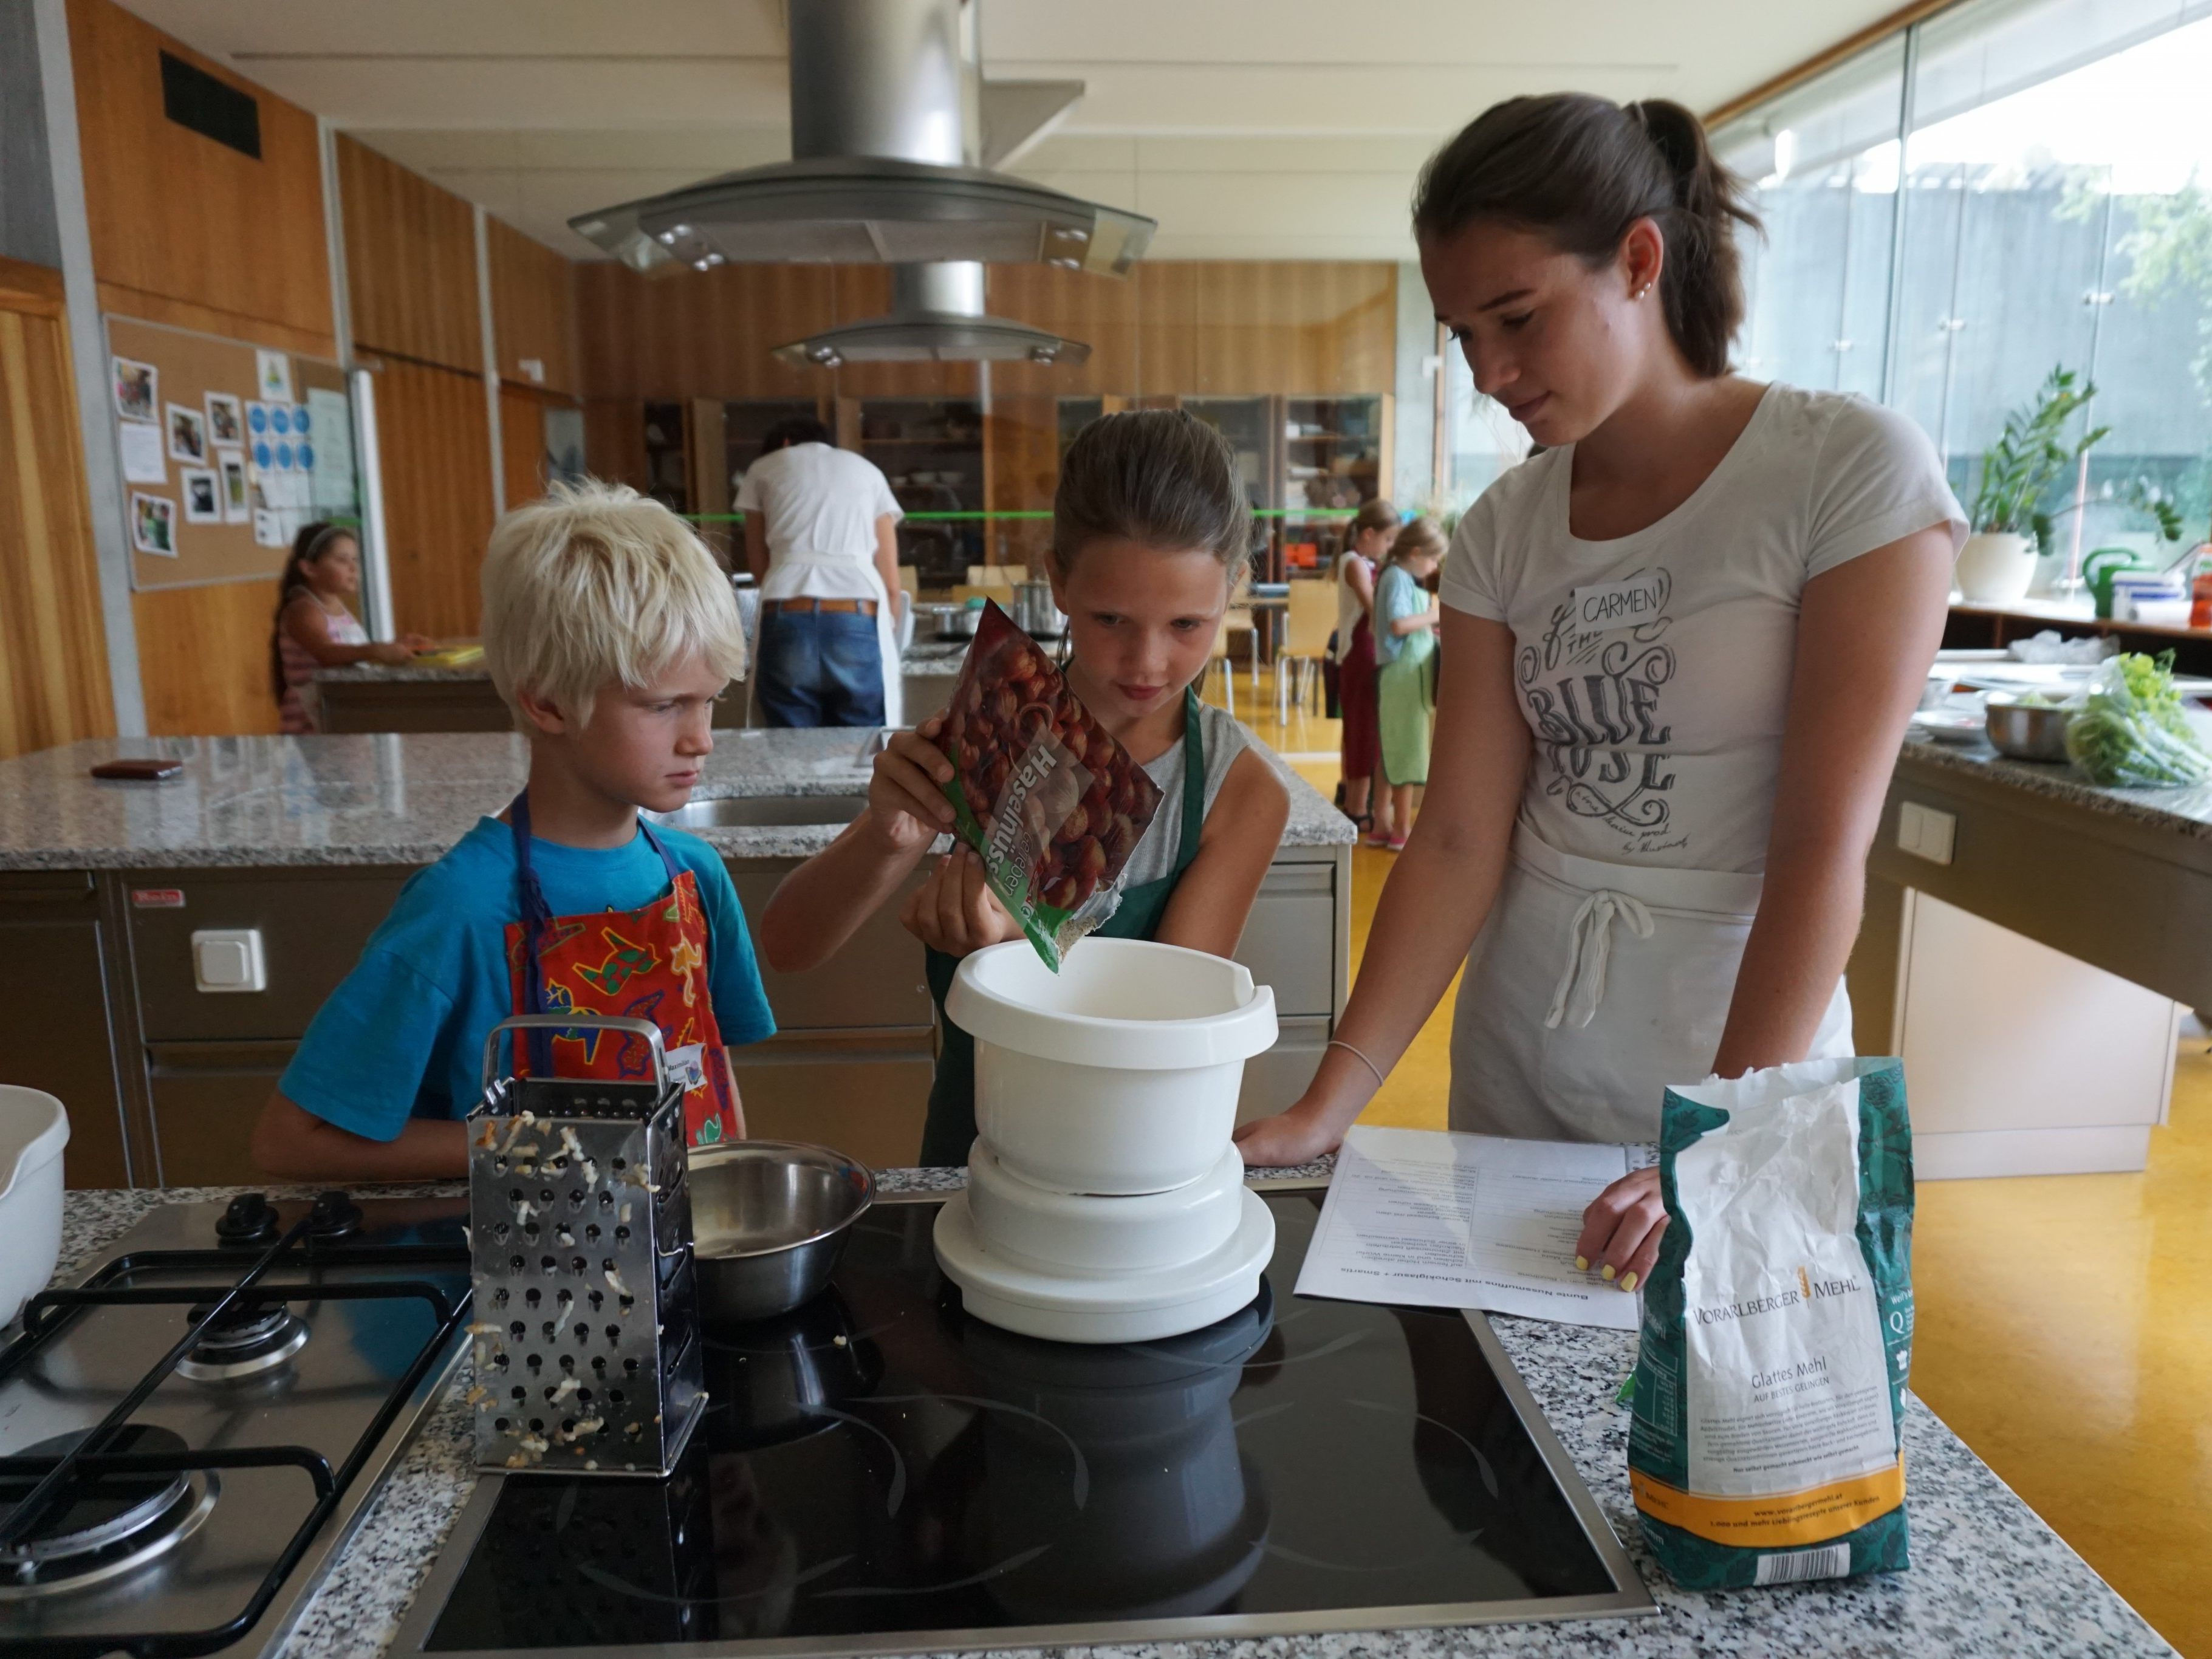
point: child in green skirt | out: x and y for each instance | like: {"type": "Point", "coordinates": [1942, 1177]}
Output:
{"type": "Point", "coordinates": [1405, 672]}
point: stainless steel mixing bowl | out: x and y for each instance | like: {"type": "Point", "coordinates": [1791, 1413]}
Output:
{"type": "Point", "coordinates": [770, 1219]}
{"type": "Point", "coordinates": [2030, 732]}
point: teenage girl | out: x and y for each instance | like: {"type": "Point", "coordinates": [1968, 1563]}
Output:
{"type": "Point", "coordinates": [315, 628]}
{"type": "Point", "coordinates": [1404, 673]}
{"type": "Point", "coordinates": [1367, 543]}
{"type": "Point", "coordinates": [1150, 534]}
{"type": "Point", "coordinates": [1683, 645]}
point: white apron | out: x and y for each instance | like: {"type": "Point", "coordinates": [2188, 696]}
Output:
{"type": "Point", "coordinates": [887, 620]}
{"type": "Point", "coordinates": [1593, 986]}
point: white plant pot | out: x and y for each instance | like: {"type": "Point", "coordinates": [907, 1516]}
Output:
{"type": "Point", "coordinates": [1995, 566]}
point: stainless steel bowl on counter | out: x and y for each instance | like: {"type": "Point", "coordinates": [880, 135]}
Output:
{"type": "Point", "coordinates": [2026, 731]}
{"type": "Point", "coordinates": [1035, 614]}
{"type": "Point", "coordinates": [770, 1219]}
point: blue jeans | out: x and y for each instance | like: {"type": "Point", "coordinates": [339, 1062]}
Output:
{"type": "Point", "coordinates": [819, 668]}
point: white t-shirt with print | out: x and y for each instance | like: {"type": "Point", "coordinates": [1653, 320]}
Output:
{"type": "Point", "coordinates": [1654, 669]}
{"type": "Point", "coordinates": [819, 506]}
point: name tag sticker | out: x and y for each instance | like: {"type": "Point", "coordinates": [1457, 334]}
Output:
{"type": "Point", "coordinates": [1638, 598]}
{"type": "Point", "coordinates": [688, 1065]}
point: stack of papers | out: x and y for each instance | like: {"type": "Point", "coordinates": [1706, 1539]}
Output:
{"type": "Point", "coordinates": [1430, 1218]}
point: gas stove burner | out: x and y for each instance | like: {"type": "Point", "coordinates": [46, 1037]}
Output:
{"type": "Point", "coordinates": [105, 1525]}
{"type": "Point", "coordinates": [251, 1338]}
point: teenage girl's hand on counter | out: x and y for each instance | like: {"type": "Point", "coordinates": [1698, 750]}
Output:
{"type": "Point", "coordinates": [955, 910]}
{"type": "Point", "coordinates": [906, 807]}
{"type": "Point", "coordinates": [1620, 1229]}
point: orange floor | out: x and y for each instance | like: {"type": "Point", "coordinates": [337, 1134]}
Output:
{"type": "Point", "coordinates": [2065, 1323]}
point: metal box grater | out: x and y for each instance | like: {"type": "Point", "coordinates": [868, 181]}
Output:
{"type": "Point", "coordinates": [586, 1339]}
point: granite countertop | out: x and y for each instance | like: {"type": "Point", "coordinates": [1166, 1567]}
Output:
{"type": "Point", "coordinates": [401, 798]}
{"type": "Point", "coordinates": [922, 658]}
{"type": "Point", "coordinates": [2182, 811]}
{"type": "Point", "coordinates": [1988, 1579]}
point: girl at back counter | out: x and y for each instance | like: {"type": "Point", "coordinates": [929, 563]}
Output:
{"type": "Point", "coordinates": [1150, 530]}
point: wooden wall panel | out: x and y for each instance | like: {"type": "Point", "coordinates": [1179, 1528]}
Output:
{"type": "Point", "coordinates": [203, 657]}
{"type": "Point", "coordinates": [1216, 327]}
{"type": "Point", "coordinates": [436, 450]}
{"type": "Point", "coordinates": [179, 215]}
{"type": "Point", "coordinates": [53, 652]}
{"type": "Point", "coordinates": [533, 308]}
{"type": "Point", "coordinates": [410, 263]}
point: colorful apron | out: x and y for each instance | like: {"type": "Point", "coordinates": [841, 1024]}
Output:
{"type": "Point", "coordinates": [950, 1130]}
{"type": "Point", "coordinates": [645, 964]}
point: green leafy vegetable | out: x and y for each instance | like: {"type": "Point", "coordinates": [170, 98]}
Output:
{"type": "Point", "coordinates": [2131, 731]}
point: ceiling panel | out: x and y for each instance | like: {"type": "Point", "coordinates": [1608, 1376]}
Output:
{"type": "Point", "coordinates": [1257, 129]}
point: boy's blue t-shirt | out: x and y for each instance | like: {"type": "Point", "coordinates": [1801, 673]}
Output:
{"type": "Point", "coordinates": [403, 1036]}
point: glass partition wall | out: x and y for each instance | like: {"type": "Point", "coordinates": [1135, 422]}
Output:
{"type": "Point", "coordinates": [2008, 186]}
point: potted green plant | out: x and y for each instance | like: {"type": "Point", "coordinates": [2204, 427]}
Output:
{"type": "Point", "coordinates": [2010, 529]}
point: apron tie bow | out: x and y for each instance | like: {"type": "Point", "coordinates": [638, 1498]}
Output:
{"type": "Point", "coordinates": [1590, 943]}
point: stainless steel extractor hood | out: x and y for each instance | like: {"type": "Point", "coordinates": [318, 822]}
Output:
{"type": "Point", "coordinates": [887, 113]}
{"type": "Point", "coordinates": [936, 316]}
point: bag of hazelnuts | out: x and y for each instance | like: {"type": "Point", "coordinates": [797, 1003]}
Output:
{"type": "Point", "coordinates": [1050, 800]}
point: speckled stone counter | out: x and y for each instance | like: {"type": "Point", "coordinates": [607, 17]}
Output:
{"type": "Point", "coordinates": [373, 674]}
{"type": "Point", "coordinates": [399, 799]}
{"type": "Point", "coordinates": [2182, 811]}
{"type": "Point", "coordinates": [1989, 1580]}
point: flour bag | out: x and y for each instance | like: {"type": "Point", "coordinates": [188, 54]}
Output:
{"type": "Point", "coordinates": [1777, 1328]}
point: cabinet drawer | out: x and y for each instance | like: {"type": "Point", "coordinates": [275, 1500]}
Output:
{"type": "Point", "coordinates": [1289, 938]}
{"type": "Point", "coordinates": [1276, 1078]}
{"type": "Point", "coordinates": [207, 1098]}
{"type": "Point", "coordinates": [313, 925]}
{"type": "Point", "coordinates": [864, 1093]}
{"type": "Point", "coordinates": [877, 980]}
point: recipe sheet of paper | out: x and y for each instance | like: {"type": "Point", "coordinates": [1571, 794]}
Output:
{"type": "Point", "coordinates": [1435, 1219]}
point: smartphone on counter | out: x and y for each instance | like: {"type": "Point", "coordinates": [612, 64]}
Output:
{"type": "Point", "coordinates": [139, 771]}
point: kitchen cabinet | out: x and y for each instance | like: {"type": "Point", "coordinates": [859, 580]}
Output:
{"type": "Point", "coordinates": [57, 1026]}
{"type": "Point", "coordinates": [205, 1098]}
{"type": "Point", "coordinates": [931, 450]}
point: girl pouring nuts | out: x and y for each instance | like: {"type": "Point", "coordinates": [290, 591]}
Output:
{"type": "Point", "coordinates": [1150, 531]}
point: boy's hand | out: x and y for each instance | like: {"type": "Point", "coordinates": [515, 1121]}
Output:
{"type": "Point", "coordinates": [955, 910]}
{"type": "Point", "coordinates": [906, 807]}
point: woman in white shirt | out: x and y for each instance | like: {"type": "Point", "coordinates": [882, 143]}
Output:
{"type": "Point", "coordinates": [821, 540]}
{"type": "Point", "coordinates": [1684, 644]}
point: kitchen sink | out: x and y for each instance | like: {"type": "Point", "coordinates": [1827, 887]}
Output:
{"type": "Point", "coordinates": [754, 811]}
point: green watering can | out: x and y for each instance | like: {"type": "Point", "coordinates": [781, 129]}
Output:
{"type": "Point", "coordinates": [2099, 568]}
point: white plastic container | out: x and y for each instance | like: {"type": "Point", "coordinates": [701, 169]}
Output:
{"type": "Point", "coordinates": [1033, 1226]}
{"type": "Point", "coordinates": [34, 1129]}
{"type": "Point", "coordinates": [1119, 1073]}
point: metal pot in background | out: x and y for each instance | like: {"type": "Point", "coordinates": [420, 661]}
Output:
{"type": "Point", "coordinates": [770, 1219]}
{"type": "Point", "coordinates": [2026, 731]}
{"type": "Point", "coordinates": [1034, 613]}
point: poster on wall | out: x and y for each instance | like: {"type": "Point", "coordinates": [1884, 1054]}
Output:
{"type": "Point", "coordinates": [154, 524]}
{"type": "Point", "coordinates": [139, 444]}
{"type": "Point", "coordinates": [187, 435]}
{"type": "Point", "coordinates": [273, 376]}
{"type": "Point", "coordinates": [328, 461]}
{"type": "Point", "coordinates": [202, 495]}
{"type": "Point", "coordinates": [225, 419]}
{"type": "Point", "coordinates": [137, 390]}
{"type": "Point", "coordinates": [237, 506]}
{"type": "Point", "coordinates": [268, 527]}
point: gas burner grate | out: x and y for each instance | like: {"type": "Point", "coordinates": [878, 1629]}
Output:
{"type": "Point", "coordinates": [67, 1501]}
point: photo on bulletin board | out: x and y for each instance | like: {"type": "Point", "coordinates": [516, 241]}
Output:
{"type": "Point", "coordinates": [273, 376]}
{"type": "Point", "coordinates": [187, 435]}
{"type": "Point", "coordinates": [137, 390]}
{"type": "Point", "coordinates": [202, 495]}
{"type": "Point", "coordinates": [154, 524]}
{"type": "Point", "coordinates": [237, 504]}
{"type": "Point", "coordinates": [225, 419]}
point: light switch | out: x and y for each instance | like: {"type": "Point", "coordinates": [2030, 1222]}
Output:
{"type": "Point", "coordinates": [229, 959]}
{"type": "Point", "coordinates": [1925, 832]}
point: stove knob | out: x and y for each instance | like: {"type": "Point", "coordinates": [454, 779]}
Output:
{"type": "Point", "coordinates": [251, 1219]}
{"type": "Point", "coordinates": [336, 1216]}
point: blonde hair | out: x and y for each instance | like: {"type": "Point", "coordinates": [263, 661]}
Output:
{"type": "Point", "coordinates": [1419, 538]}
{"type": "Point", "coordinates": [594, 584]}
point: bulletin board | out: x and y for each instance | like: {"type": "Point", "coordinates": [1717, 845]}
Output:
{"type": "Point", "coordinates": [226, 450]}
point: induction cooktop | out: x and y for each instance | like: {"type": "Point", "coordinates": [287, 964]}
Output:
{"type": "Point", "coordinates": [880, 1473]}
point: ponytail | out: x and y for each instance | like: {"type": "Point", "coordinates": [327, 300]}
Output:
{"type": "Point", "coordinates": [1582, 170]}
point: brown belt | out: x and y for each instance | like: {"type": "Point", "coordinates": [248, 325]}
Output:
{"type": "Point", "coordinates": [845, 607]}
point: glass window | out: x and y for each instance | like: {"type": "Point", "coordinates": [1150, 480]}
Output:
{"type": "Point", "coordinates": [1481, 439]}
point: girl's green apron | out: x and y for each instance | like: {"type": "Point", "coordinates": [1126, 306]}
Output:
{"type": "Point", "coordinates": [1406, 707]}
{"type": "Point", "coordinates": [950, 1129]}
